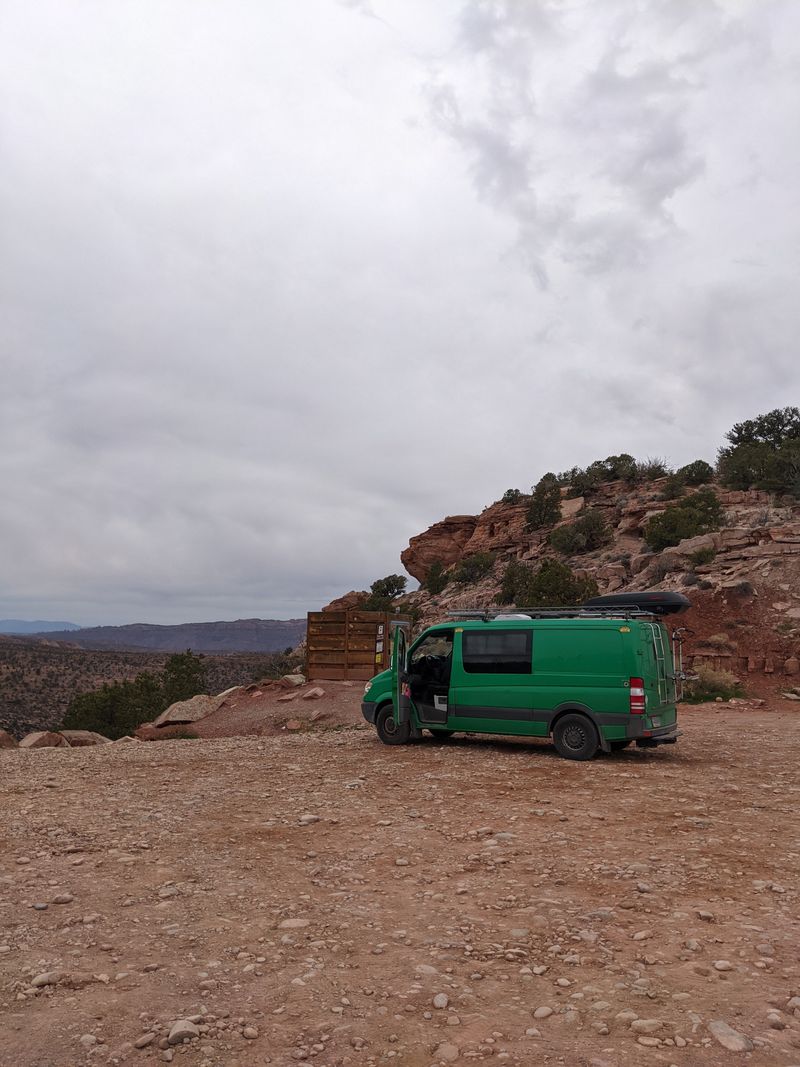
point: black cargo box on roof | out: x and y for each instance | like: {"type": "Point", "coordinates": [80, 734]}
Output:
{"type": "Point", "coordinates": [656, 603]}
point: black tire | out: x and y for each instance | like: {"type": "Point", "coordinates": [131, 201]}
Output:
{"type": "Point", "coordinates": [388, 730]}
{"type": "Point", "coordinates": [575, 737]}
{"type": "Point", "coordinates": [617, 746]}
{"type": "Point", "coordinates": [441, 735]}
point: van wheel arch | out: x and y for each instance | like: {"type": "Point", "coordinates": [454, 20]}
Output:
{"type": "Point", "coordinates": [574, 708]}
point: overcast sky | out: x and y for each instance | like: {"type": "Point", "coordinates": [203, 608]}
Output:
{"type": "Point", "coordinates": [283, 283]}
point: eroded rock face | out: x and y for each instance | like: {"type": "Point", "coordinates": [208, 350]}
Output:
{"type": "Point", "coordinates": [443, 543]}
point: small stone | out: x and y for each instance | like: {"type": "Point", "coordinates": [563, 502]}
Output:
{"type": "Point", "coordinates": [543, 1012]}
{"type": "Point", "coordinates": [181, 1030]}
{"type": "Point", "coordinates": [533, 1032]}
{"type": "Point", "coordinates": [47, 978]}
{"type": "Point", "coordinates": [441, 1000]}
{"type": "Point", "coordinates": [40, 907]}
{"type": "Point", "coordinates": [642, 935]}
{"type": "Point", "coordinates": [88, 1040]}
{"type": "Point", "coordinates": [63, 898]}
{"type": "Point", "coordinates": [447, 1052]}
{"type": "Point", "coordinates": [144, 1040]}
{"type": "Point", "coordinates": [723, 965]}
{"type": "Point", "coordinates": [646, 1026]}
{"type": "Point", "coordinates": [250, 1033]}
{"type": "Point", "coordinates": [400, 862]}
{"type": "Point", "coordinates": [729, 1038]}
{"type": "Point", "coordinates": [293, 924]}
{"type": "Point", "coordinates": [308, 819]}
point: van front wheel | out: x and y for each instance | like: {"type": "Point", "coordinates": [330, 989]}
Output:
{"type": "Point", "coordinates": [388, 730]}
{"type": "Point", "coordinates": [575, 737]}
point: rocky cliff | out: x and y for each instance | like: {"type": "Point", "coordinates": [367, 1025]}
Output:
{"type": "Point", "coordinates": [746, 596]}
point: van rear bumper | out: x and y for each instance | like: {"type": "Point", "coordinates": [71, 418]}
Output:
{"type": "Point", "coordinates": [662, 735]}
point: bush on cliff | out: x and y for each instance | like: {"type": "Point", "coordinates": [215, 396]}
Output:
{"type": "Point", "coordinates": [553, 584]}
{"type": "Point", "coordinates": [384, 592]}
{"type": "Point", "coordinates": [584, 534]}
{"type": "Point", "coordinates": [437, 578]}
{"type": "Point", "coordinates": [763, 453]}
{"type": "Point", "coordinates": [545, 506]}
{"type": "Point", "coordinates": [698, 514]}
{"type": "Point", "coordinates": [472, 568]}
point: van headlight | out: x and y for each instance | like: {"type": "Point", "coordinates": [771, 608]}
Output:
{"type": "Point", "coordinates": [367, 688]}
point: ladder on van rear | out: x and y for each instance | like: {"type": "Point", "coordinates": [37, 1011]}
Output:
{"type": "Point", "coordinates": [663, 675]}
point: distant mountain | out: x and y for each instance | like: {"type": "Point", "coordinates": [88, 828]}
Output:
{"type": "Point", "coordinates": [244, 635]}
{"type": "Point", "coordinates": [37, 626]}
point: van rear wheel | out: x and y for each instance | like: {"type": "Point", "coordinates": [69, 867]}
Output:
{"type": "Point", "coordinates": [575, 737]}
{"type": "Point", "coordinates": [390, 732]}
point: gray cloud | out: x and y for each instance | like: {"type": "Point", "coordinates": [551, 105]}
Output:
{"type": "Point", "coordinates": [282, 287]}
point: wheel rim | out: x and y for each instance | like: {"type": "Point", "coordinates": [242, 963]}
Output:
{"type": "Point", "coordinates": [389, 725]}
{"type": "Point", "coordinates": [574, 737]}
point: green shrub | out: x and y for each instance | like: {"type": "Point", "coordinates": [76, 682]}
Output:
{"type": "Point", "coordinates": [674, 487]}
{"type": "Point", "coordinates": [545, 506]}
{"type": "Point", "coordinates": [384, 592]}
{"type": "Point", "coordinates": [701, 556]}
{"type": "Point", "coordinates": [472, 568]}
{"type": "Point", "coordinates": [696, 473]}
{"type": "Point", "coordinates": [553, 584]}
{"type": "Point", "coordinates": [437, 578]}
{"type": "Point", "coordinates": [711, 683]}
{"type": "Point", "coordinates": [586, 533]}
{"type": "Point", "coordinates": [511, 496]}
{"type": "Point", "coordinates": [698, 514]}
{"type": "Point", "coordinates": [648, 470]}
{"type": "Point", "coordinates": [763, 453]}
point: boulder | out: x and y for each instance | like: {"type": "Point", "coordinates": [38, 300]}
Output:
{"type": "Point", "coordinates": [314, 694]}
{"type": "Point", "coordinates": [7, 740]}
{"type": "Point", "coordinates": [292, 681]}
{"type": "Point", "coordinates": [44, 739]}
{"type": "Point", "coordinates": [791, 666]}
{"type": "Point", "coordinates": [124, 740]}
{"type": "Point", "coordinates": [84, 738]}
{"type": "Point", "coordinates": [187, 710]}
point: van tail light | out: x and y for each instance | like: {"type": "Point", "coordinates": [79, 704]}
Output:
{"type": "Point", "coordinates": [637, 697]}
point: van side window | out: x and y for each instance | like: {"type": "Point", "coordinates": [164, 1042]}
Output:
{"type": "Point", "coordinates": [497, 652]}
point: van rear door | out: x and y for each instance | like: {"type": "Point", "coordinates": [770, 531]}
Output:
{"type": "Point", "coordinates": [659, 673]}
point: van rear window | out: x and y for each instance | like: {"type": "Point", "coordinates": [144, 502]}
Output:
{"type": "Point", "coordinates": [497, 652]}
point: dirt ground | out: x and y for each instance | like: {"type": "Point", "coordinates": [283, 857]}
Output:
{"type": "Point", "coordinates": [318, 896]}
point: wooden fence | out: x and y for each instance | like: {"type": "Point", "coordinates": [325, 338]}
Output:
{"type": "Point", "coordinates": [348, 645]}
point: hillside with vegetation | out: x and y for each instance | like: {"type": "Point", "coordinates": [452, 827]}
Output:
{"type": "Point", "coordinates": [726, 533]}
{"type": "Point", "coordinates": [40, 682]}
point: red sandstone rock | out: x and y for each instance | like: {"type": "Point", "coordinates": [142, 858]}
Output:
{"type": "Point", "coordinates": [7, 740]}
{"type": "Point", "coordinates": [441, 543]}
{"type": "Point", "coordinates": [44, 739]}
{"type": "Point", "coordinates": [353, 599]}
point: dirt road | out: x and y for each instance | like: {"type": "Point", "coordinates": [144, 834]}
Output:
{"type": "Point", "coordinates": [321, 897]}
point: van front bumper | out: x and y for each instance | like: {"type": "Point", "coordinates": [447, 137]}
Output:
{"type": "Point", "coordinates": [368, 710]}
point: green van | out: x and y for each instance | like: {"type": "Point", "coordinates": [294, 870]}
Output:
{"type": "Point", "coordinates": [596, 677]}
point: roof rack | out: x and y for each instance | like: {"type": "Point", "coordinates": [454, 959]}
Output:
{"type": "Point", "coordinates": [555, 613]}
